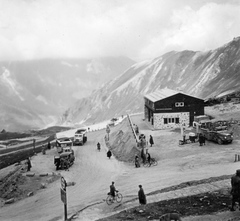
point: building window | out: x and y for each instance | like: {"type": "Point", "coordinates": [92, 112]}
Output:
{"type": "Point", "coordinates": [179, 104]}
{"type": "Point", "coordinates": [165, 120]}
{"type": "Point", "coordinates": [171, 120]}
{"type": "Point", "coordinates": [177, 120]}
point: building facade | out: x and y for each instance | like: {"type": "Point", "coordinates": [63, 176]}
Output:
{"type": "Point", "coordinates": [167, 108]}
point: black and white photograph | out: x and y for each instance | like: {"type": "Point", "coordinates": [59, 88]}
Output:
{"type": "Point", "coordinates": [114, 110]}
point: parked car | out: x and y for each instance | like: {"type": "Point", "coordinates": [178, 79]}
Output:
{"type": "Point", "coordinates": [221, 137]}
{"type": "Point", "coordinates": [217, 131]}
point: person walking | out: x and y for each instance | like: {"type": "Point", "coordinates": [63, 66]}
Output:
{"type": "Point", "coordinates": [109, 154]}
{"type": "Point", "coordinates": [98, 146]}
{"type": "Point", "coordinates": [201, 139]}
{"type": "Point", "coordinates": [49, 145]}
{"type": "Point", "coordinates": [143, 156]}
{"type": "Point", "coordinates": [149, 158]}
{"type": "Point", "coordinates": [29, 165]}
{"type": "Point", "coordinates": [142, 196]}
{"type": "Point", "coordinates": [235, 191]}
{"type": "Point", "coordinates": [137, 164]}
{"type": "Point", "coordinates": [151, 140]}
{"type": "Point", "coordinates": [43, 150]}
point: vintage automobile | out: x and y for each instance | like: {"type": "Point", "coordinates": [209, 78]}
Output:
{"type": "Point", "coordinates": [64, 160]}
{"type": "Point", "coordinates": [217, 131]}
{"type": "Point", "coordinates": [63, 143]}
{"type": "Point", "coordinates": [198, 120]}
{"type": "Point", "coordinates": [80, 137]}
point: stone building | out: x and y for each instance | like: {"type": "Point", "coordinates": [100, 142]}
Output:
{"type": "Point", "coordinates": [167, 108]}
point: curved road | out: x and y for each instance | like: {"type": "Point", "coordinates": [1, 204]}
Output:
{"type": "Point", "coordinates": [92, 172]}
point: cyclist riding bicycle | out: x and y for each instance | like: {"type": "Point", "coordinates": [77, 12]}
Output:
{"type": "Point", "coordinates": [112, 190]}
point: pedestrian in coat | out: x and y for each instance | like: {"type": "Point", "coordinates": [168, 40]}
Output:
{"type": "Point", "coordinates": [109, 154]}
{"type": "Point", "coordinates": [142, 196]}
{"type": "Point", "coordinates": [149, 158]}
{"type": "Point", "coordinates": [151, 140]}
{"type": "Point", "coordinates": [143, 156]}
{"type": "Point", "coordinates": [235, 191]}
{"type": "Point", "coordinates": [137, 164]}
{"type": "Point", "coordinates": [29, 165]}
{"type": "Point", "coordinates": [201, 139]}
{"type": "Point", "coordinates": [49, 145]}
{"type": "Point", "coordinates": [98, 146]}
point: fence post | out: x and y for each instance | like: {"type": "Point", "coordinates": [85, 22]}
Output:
{"type": "Point", "coordinates": [131, 125]}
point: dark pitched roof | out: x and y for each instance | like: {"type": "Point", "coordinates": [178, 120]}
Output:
{"type": "Point", "coordinates": [163, 93]}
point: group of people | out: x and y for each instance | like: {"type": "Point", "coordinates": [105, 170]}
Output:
{"type": "Point", "coordinates": [141, 195]}
{"type": "Point", "coordinates": [146, 157]}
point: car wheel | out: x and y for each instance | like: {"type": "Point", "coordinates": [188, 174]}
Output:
{"type": "Point", "coordinates": [219, 141]}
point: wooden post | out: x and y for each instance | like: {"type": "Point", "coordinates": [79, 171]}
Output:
{"type": "Point", "coordinates": [64, 196]}
{"type": "Point", "coordinates": [34, 142]}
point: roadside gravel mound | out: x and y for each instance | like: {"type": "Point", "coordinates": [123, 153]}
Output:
{"type": "Point", "coordinates": [122, 143]}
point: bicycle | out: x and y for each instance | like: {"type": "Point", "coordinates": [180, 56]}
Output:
{"type": "Point", "coordinates": [118, 198]}
{"type": "Point", "coordinates": [153, 162]}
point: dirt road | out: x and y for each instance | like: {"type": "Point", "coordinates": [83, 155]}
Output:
{"type": "Point", "coordinates": [93, 172]}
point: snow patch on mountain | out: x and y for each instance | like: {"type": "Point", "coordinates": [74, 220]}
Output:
{"type": "Point", "coordinates": [42, 99]}
{"type": "Point", "coordinates": [141, 63]}
{"type": "Point", "coordinates": [225, 93]}
{"type": "Point", "coordinates": [159, 64]}
{"type": "Point", "coordinates": [69, 64]}
{"type": "Point", "coordinates": [8, 81]}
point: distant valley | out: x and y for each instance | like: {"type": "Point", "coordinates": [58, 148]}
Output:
{"type": "Point", "coordinates": [35, 93]}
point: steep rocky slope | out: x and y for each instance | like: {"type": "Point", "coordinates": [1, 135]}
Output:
{"type": "Point", "coordinates": [202, 74]}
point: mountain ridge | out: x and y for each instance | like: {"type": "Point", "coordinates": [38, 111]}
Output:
{"type": "Point", "coordinates": [202, 74]}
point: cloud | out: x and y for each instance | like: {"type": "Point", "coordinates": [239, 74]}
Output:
{"type": "Point", "coordinates": [139, 29]}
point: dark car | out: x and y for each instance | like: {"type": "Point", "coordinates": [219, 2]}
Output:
{"type": "Point", "coordinates": [221, 137]}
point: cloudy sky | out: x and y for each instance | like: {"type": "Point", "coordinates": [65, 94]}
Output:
{"type": "Point", "coordinates": [139, 29]}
